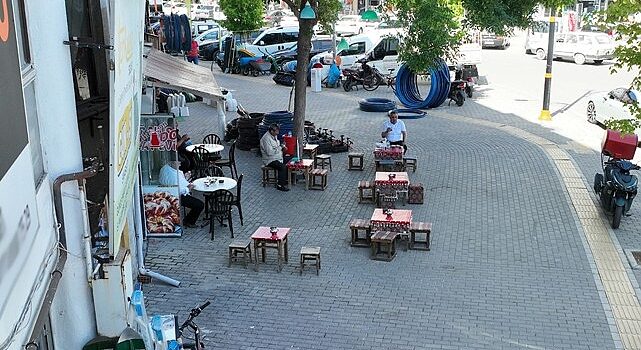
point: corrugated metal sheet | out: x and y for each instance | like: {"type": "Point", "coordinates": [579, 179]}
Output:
{"type": "Point", "coordinates": [181, 74]}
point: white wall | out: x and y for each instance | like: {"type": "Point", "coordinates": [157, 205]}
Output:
{"type": "Point", "coordinates": [72, 317]}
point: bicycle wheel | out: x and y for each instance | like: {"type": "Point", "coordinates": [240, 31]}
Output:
{"type": "Point", "coordinates": [371, 82]}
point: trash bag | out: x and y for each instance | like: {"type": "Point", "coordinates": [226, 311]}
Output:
{"type": "Point", "coordinates": [333, 75]}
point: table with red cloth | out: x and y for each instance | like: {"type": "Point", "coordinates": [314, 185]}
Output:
{"type": "Point", "coordinates": [399, 221]}
{"type": "Point", "coordinates": [392, 153]}
{"type": "Point", "coordinates": [263, 239]}
{"type": "Point", "coordinates": [387, 184]}
{"type": "Point", "coordinates": [302, 165]}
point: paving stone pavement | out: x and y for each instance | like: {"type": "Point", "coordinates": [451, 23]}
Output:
{"type": "Point", "coordinates": [507, 268]}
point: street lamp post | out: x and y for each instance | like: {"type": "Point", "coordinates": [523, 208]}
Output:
{"type": "Point", "coordinates": [545, 112]}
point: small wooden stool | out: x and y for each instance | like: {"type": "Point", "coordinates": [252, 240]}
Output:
{"type": "Point", "coordinates": [320, 175]}
{"type": "Point", "coordinates": [384, 245]}
{"type": "Point", "coordinates": [310, 253]}
{"type": "Point", "coordinates": [386, 200]}
{"type": "Point", "coordinates": [356, 225]}
{"type": "Point", "coordinates": [322, 160]}
{"type": "Point", "coordinates": [385, 165]}
{"type": "Point", "coordinates": [409, 163]}
{"type": "Point", "coordinates": [240, 246]}
{"type": "Point", "coordinates": [420, 227]}
{"type": "Point", "coordinates": [355, 161]}
{"type": "Point", "coordinates": [270, 176]}
{"type": "Point", "coordinates": [365, 191]}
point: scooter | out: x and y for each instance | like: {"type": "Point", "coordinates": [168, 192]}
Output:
{"type": "Point", "coordinates": [457, 92]}
{"type": "Point", "coordinates": [616, 187]}
{"type": "Point", "coordinates": [365, 75]}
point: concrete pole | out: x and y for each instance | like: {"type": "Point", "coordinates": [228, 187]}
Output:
{"type": "Point", "coordinates": [545, 112]}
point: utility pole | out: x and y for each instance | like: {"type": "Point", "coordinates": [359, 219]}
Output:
{"type": "Point", "coordinates": [545, 112]}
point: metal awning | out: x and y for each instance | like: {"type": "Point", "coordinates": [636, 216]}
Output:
{"type": "Point", "coordinates": [183, 75]}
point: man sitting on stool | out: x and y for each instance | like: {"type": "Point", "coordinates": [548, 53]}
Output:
{"type": "Point", "coordinates": [170, 175]}
{"type": "Point", "coordinates": [394, 131]}
{"type": "Point", "coordinates": [272, 152]}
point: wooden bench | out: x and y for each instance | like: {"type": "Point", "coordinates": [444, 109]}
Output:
{"type": "Point", "coordinates": [356, 226]}
{"type": "Point", "coordinates": [383, 245]}
{"type": "Point", "coordinates": [418, 227]}
{"type": "Point", "coordinates": [240, 247]}
{"type": "Point", "coordinates": [321, 176]}
{"type": "Point", "coordinates": [366, 191]}
{"type": "Point", "coordinates": [270, 176]}
{"type": "Point", "coordinates": [355, 161]}
{"type": "Point", "coordinates": [310, 253]}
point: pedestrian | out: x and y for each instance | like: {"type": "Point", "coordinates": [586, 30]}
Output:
{"type": "Point", "coordinates": [192, 55]}
{"type": "Point", "coordinates": [394, 131]}
{"type": "Point", "coordinates": [272, 151]}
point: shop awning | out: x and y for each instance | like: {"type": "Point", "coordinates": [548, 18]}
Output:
{"type": "Point", "coordinates": [180, 74]}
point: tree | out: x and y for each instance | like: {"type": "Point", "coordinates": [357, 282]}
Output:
{"type": "Point", "coordinates": [326, 14]}
{"type": "Point", "coordinates": [242, 15]}
{"type": "Point", "coordinates": [621, 14]}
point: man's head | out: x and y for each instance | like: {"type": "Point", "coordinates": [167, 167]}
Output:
{"type": "Point", "coordinates": [393, 116]}
{"type": "Point", "coordinates": [274, 129]}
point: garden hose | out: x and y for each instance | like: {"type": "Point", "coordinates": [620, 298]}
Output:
{"type": "Point", "coordinates": [407, 87]}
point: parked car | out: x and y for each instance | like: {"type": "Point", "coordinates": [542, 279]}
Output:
{"type": "Point", "coordinates": [319, 44]}
{"type": "Point", "coordinates": [578, 46]}
{"type": "Point", "coordinates": [210, 35]}
{"type": "Point", "coordinates": [274, 39]}
{"type": "Point", "coordinates": [353, 24]}
{"type": "Point", "coordinates": [603, 106]}
{"type": "Point", "coordinates": [358, 47]}
{"type": "Point", "coordinates": [491, 40]}
{"type": "Point", "coordinates": [199, 27]}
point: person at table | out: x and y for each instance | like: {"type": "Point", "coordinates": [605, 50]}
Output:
{"type": "Point", "coordinates": [272, 151]}
{"type": "Point", "coordinates": [186, 158]}
{"type": "Point", "coordinates": [168, 177]}
{"type": "Point", "coordinates": [394, 131]}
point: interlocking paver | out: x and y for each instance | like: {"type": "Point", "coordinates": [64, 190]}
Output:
{"type": "Point", "coordinates": [507, 268]}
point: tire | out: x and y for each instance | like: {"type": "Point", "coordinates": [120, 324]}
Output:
{"type": "Point", "coordinates": [347, 85]}
{"type": "Point", "coordinates": [616, 217]}
{"type": "Point", "coordinates": [469, 91]}
{"type": "Point", "coordinates": [598, 62]}
{"type": "Point", "coordinates": [255, 72]}
{"type": "Point", "coordinates": [410, 113]}
{"type": "Point", "coordinates": [459, 98]}
{"type": "Point", "coordinates": [579, 59]}
{"type": "Point", "coordinates": [371, 82]}
{"type": "Point", "coordinates": [376, 105]}
{"type": "Point", "coordinates": [246, 71]}
{"type": "Point", "coordinates": [591, 112]}
{"type": "Point", "coordinates": [598, 183]}
{"type": "Point", "coordinates": [540, 54]}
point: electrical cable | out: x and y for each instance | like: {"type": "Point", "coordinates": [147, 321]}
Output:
{"type": "Point", "coordinates": [407, 87]}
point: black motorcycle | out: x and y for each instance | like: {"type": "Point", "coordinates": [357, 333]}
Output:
{"type": "Point", "coordinates": [457, 92]}
{"type": "Point", "coordinates": [616, 187]}
{"type": "Point", "coordinates": [365, 75]}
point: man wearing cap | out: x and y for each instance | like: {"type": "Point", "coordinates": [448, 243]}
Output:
{"type": "Point", "coordinates": [394, 130]}
{"type": "Point", "coordinates": [272, 152]}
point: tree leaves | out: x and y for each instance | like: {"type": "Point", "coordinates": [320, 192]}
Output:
{"type": "Point", "coordinates": [242, 15]}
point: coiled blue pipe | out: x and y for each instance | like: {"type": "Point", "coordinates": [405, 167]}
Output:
{"type": "Point", "coordinates": [407, 87]}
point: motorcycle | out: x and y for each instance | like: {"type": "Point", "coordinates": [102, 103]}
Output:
{"type": "Point", "coordinates": [365, 75]}
{"type": "Point", "coordinates": [616, 187]}
{"type": "Point", "coordinates": [457, 92]}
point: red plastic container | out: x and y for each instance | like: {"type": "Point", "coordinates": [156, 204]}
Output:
{"type": "Point", "coordinates": [617, 146]}
{"type": "Point", "coordinates": [290, 143]}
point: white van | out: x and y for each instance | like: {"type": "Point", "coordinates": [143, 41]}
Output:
{"type": "Point", "coordinates": [274, 39]}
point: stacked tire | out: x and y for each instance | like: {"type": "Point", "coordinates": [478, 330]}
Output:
{"type": "Point", "coordinates": [248, 137]}
{"type": "Point", "coordinates": [376, 104]}
{"type": "Point", "coordinates": [284, 119]}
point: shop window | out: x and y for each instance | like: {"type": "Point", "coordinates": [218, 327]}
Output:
{"type": "Point", "coordinates": [22, 35]}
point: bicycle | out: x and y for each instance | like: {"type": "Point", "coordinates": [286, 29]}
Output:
{"type": "Point", "coordinates": [189, 323]}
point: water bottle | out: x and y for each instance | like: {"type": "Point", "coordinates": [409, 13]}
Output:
{"type": "Point", "coordinates": [289, 134]}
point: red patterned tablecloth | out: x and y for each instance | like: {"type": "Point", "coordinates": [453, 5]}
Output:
{"type": "Point", "coordinates": [392, 153]}
{"type": "Point", "coordinates": [400, 220]}
{"type": "Point", "coordinates": [305, 163]}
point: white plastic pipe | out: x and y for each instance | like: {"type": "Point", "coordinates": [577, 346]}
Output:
{"type": "Point", "coordinates": [86, 237]}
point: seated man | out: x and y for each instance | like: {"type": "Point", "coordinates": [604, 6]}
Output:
{"type": "Point", "coordinates": [394, 130]}
{"type": "Point", "coordinates": [272, 152]}
{"type": "Point", "coordinates": [168, 177]}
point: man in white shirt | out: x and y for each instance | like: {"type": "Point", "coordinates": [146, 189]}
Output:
{"type": "Point", "coordinates": [272, 151]}
{"type": "Point", "coordinates": [170, 175]}
{"type": "Point", "coordinates": [394, 130]}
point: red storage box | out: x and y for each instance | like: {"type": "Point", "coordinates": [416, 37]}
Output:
{"type": "Point", "coordinates": [617, 146]}
{"type": "Point", "coordinates": [290, 143]}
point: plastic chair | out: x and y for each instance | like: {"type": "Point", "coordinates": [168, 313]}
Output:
{"type": "Point", "coordinates": [237, 198]}
{"type": "Point", "coordinates": [212, 139]}
{"type": "Point", "coordinates": [230, 162]}
{"type": "Point", "coordinates": [220, 205]}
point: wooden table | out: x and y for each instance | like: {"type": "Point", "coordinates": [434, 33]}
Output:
{"type": "Point", "coordinates": [310, 150]}
{"type": "Point", "coordinates": [387, 186]}
{"type": "Point", "coordinates": [399, 222]}
{"type": "Point", "coordinates": [215, 185]}
{"type": "Point", "coordinates": [263, 239]}
{"type": "Point", "coordinates": [210, 147]}
{"type": "Point", "coordinates": [392, 153]}
{"type": "Point", "coordinates": [305, 165]}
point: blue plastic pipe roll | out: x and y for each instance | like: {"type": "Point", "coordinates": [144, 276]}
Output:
{"type": "Point", "coordinates": [407, 87]}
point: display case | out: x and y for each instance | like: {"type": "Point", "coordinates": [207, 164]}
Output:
{"type": "Point", "coordinates": [159, 172]}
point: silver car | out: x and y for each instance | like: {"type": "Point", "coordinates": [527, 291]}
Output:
{"type": "Point", "coordinates": [578, 46]}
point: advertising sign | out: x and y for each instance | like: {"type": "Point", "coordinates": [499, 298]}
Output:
{"type": "Point", "coordinates": [124, 112]}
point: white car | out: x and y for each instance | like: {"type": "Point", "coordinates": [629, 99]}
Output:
{"type": "Point", "coordinates": [604, 106]}
{"type": "Point", "coordinates": [353, 24]}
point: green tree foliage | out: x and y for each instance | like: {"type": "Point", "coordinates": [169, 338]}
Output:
{"type": "Point", "coordinates": [621, 15]}
{"type": "Point", "coordinates": [242, 14]}
{"type": "Point", "coordinates": [501, 16]}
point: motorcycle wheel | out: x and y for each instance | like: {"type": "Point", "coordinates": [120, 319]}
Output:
{"type": "Point", "coordinates": [246, 71]}
{"type": "Point", "coordinates": [598, 183]}
{"type": "Point", "coordinates": [460, 98]}
{"type": "Point", "coordinates": [371, 83]}
{"type": "Point", "coordinates": [255, 73]}
{"type": "Point", "coordinates": [616, 217]}
{"type": "Point", "coordinates": [347, 85]}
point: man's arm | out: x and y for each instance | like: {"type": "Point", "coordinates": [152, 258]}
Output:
{"type": "Point", "coordinates": [386, 130]}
